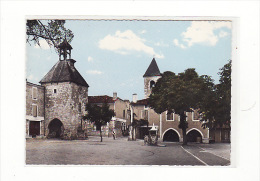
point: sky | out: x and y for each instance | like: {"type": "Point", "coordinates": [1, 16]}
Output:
{"type": "Point", "coordinates": [112, 55]}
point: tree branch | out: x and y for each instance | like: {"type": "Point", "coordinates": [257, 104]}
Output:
{"type": "Point", "coordinates": [50, 38]}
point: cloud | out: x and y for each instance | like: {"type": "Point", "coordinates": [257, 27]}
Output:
{"type": "Point", "coordinates": [161, 44]}
{"type": "Point", "coordinates": [222, 34]}
{"type": "Point", "coordinates": [44, 45]}
{"type": "Point", "coordinates": [176, 42]}
{"type": "Point", "coordinates": [143, 32]}
{"type": "Point", "coordinates": [202, 32]}
{"type": "Point", "coordinates": [125, 43]}
{"type": "Point", "coordinates": [90, 59]}
{"type": "Point", "coordinates": [94, 72]}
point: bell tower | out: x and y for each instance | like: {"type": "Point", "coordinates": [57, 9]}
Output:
{"type": "Point", "coordinates": [151, 76]}
{"type": "Point", "coordinates": [64, 50]}
{"type": "Point", "coordinates": [66, 93]}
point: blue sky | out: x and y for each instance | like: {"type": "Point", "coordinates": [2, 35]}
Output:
{"type": "Point", "coordinates": [112, 56]}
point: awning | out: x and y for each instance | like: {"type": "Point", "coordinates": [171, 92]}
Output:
{"type": "Point", "coordinates": [118, 119]}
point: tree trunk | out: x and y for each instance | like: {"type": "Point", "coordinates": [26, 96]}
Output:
{"type": "Point", "coordinates": [184, 136]}
{"type": "Point", "coordinates": [100, 135]}
{"type": "Point", "coordinates": [183, 126]}
{"type": "Point", "coordinates": [134, 134]}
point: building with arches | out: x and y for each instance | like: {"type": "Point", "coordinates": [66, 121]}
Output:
{"type": "Point", "coordinates": [166, 123]}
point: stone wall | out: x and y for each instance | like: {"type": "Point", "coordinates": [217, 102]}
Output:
{"type": "Point", "coordinates": [39, 100]}
{"type": "Point", "coordinates": [66, 102]}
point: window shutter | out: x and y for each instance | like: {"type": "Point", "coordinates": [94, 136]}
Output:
{"type": "Point", "coordinates": [34, 92]}
{"type": "Point", "coordinates": [169, 116]}
{"type": "Point", "coordinates": [176, 117]}
{"type": "Point", "coordinates": [34, 110]}
{"type": "Point", "coordinates": [146, 115]}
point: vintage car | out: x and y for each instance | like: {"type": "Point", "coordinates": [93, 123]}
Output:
{"type": "Point", "coordinates": [152, 137]}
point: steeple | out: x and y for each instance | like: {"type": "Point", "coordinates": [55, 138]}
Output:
{"type": "Point", "coordinates": [64, 50]}
{"type": "Point", "coordinates": [151, 76]}
{"type": "Point", "coordinates": [152, 70]}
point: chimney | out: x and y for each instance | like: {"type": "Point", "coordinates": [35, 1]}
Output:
{"type": "Point", "coordinates": [114, 96]}
{"type": "Point", "coordinates": [134, 98]}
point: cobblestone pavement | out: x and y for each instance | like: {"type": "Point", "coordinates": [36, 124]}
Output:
{"type": "Point", "coordinates": [122, 152]}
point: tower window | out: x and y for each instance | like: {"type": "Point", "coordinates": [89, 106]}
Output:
{"type": "Point", "coordinates": [34, 93]}
{"type": "Point", "coordinates": [34, 110]}
{"type": "Point", "coordinates": [123, 113]}
{"type": "Point", "coordinates": [54, 91]}
{"type": "Point", "coordinates": [152, 84]}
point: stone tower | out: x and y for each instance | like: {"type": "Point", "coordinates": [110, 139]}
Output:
{"type": "Point", "coordinates": [151, 76]}
{"type": "Point", "coordinates": [66, 93]}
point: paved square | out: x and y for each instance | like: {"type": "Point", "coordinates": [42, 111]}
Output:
{"type": "Point", "coordinates": [123, 152]}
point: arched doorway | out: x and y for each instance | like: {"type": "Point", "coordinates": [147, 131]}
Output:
{"type": "Point", "coordinates": [56, 129]}
{"type": "Point", "coordinates": [171, 135]}
{"type": "Point", "coordinates": [194, 136]}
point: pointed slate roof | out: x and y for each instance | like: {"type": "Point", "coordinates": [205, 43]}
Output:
{"type": "Point", "coordinates": [152, 70]}
{"type": "Point", "coordinates": [64, 71]}
{"type": "Point", "coordinates": [65, 44]}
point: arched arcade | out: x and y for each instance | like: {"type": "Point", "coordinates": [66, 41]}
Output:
{"type": "Point", "coordinates": [171, 135]}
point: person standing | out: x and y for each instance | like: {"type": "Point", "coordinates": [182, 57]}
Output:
{"type": "Point", "coordinates": [114, 134]}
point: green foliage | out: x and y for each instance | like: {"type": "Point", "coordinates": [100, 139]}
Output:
{"type": "Point", "coordinates": [137, 123]}
{"type": "Point", "coordinates": [216, 106]}
{"type": "Point", "coordinates": [223, 89]}
{"type": "Point", "coordinates": [179, 93]}
{"type": "Point", "coordinates": [53, 31]}
{"type": "Point", "coordinates": [99, 115]}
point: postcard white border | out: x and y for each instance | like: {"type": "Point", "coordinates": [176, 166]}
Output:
{"type": "Point", "coordinates": [246, 98]}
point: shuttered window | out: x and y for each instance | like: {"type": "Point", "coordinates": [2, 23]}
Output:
{"type": "Point", "coordinates": [196, 115]}
{"type": "Point", "coordinates": [34, 110]}
{"type": "Point", "coordinates": [176, 117]}
{"type": "Point", "coordinates": [145, 114]}
{"type": "Point", "coordinates": [169, 116]}
{"type": "Point", "coordinates": [34, 92]}
{"type": "Point", "coordinates": [124, 114]}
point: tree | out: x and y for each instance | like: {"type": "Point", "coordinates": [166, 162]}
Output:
{"type": "Point", "coordinates": [137, 124]}
{"type": "Point", "coordinates": [52, 31]}
{"type": "Point", "coordinates": [217, 106]}
{"type": "Point", "coordinates": [99, 115]}
{"type": "Point", "coordinates": [178, 93]}
{"type": "Point", "coordinates": [224, 96]}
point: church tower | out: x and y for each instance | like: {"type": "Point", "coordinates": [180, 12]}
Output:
{"type": "Point", "coordinates": [66, 93]}
{"type": "Point", "coordinates": [151, 76]}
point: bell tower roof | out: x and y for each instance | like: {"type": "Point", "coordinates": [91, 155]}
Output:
{"type": "Point", "coordinates": [65, 44]}
{"type": "Point", "coordinates": [152, 70]}
{"type": "Point", "coordinates": [64, 50]}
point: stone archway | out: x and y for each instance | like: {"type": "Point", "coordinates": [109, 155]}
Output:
{"type": "Point", "coordinates": [56, 129]}
{"type": "Point", "coordinates": [194, 135]}
{"type": "Point", "coordinates": [171, 135]}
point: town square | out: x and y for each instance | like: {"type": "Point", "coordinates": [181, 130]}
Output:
{"type": "Point", "coordinates": [174, 108]}
{"type": "Point", "coordinates": [123, 152]}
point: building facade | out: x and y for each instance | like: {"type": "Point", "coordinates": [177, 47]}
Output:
{"type": "Point", "coordinates": [66, 93]}
{"type": "Point", "coordinates": [167, 123]}
{"type": "Point", "coordinates": [34, 110]}
{"type": "Point", "coordinates": [119, 122]}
